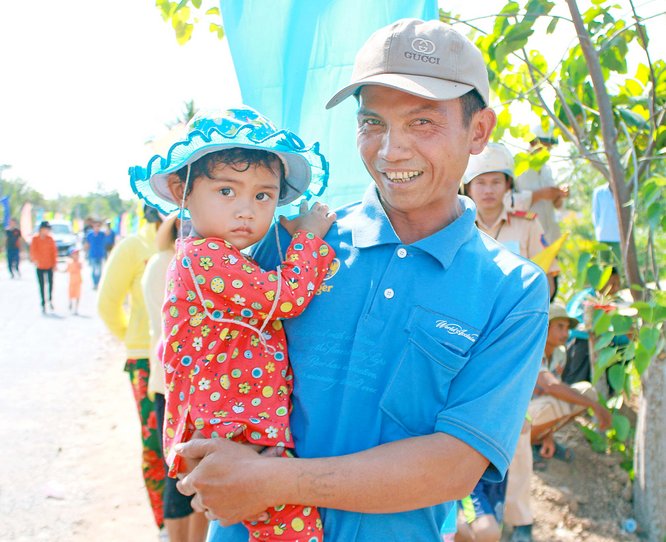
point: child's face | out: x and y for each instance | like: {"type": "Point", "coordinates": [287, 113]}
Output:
{"type": "Point", "coordinates": [237, 206]}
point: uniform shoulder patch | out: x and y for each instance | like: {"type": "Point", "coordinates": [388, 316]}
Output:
{"type": "Point", "coordinates": [527, 215]}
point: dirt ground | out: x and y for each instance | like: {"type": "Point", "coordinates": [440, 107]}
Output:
{"type": "Point", "coordinates": [71, 438]}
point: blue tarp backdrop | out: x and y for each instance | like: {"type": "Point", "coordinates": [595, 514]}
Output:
{"type": "Point", "coordinates": [291, 56]}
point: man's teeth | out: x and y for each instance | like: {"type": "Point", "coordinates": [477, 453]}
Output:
{"type": "Point", "coordinates": [401, 176]}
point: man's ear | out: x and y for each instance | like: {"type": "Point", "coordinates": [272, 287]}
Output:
{"type": "Point", "coordinates": [176, 187]}
{"type": "Point", "coordinates": [481, 128]}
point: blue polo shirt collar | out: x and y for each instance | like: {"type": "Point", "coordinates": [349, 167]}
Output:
{"type": "Point", "coordinates": [373, 228]}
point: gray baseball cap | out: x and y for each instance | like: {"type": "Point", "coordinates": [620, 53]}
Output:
{"type": "Point", "coordinates": [425, 58]}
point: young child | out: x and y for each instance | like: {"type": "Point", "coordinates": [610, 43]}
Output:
{"type": "Point", "coordinates": [225, 358]}
{"type": "Point", "coordinates": [74, 271]}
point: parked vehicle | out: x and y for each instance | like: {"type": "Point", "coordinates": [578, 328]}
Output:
{"type": "Point", "coordinates": [64, 237]}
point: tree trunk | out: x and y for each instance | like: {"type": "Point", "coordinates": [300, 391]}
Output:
{"type": "Point", "coordinates": [620, 188]}
{"type": "Point", "coordinates": [650, 453]}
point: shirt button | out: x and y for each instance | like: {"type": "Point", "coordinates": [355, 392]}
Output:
{"type": "Point", "coordinates": [389, 293]}
{"type": "Point", "coordinates": [402, 252]}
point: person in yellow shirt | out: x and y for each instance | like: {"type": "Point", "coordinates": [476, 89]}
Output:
{"type": "Point", "coordinates": [487, 179]}
{"type": "Point", "coordinates": [121, 282]}
{"type": "Point", "coordinates": [182, 523]}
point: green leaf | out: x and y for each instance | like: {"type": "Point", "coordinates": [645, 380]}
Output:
{"type": "Point", "coordinates": [594, 273]}
{"type": "Point", "coordinates": [622, 427]}
{"type": "Point", "coordinates": [539, 158]}
{"type": "Point", "coordinates": [522, 164]}
{"type": "Point", "coordinates": [648, 337]}
{"type": "Point", "coordinates": [597, 442]}
{"type": "Point", "coordinates": [603, 340]}
{"type": "Point", "coordinates": [607, 357]}
{"type": "Point", "coordinates": [581, 268]}
{"type": "Point", "coordinates": [616, 376]}
{"type": "Point", "coordinates": [602, 322]}
{"type": "Point", "coordinates": [632, 119]}
{"type": "Point", "coordinates": [503, 122]}
{"type": "Point", "coordinates": [621, 324]}
{"type": "Point", "coordinates": [629, 352]}
{"type": "Point", "coordinates": [511, 8]}
{"type": "Point", "coordinates": [196, 3]}
{"type": "Point", "coordinates": [643, 74]}
{"type": "Point", "coordinates": [551, 25]}
{"type": "Point", "coordinates": [642, 359]}
{"type": "Point", "coordinates": [645, 311]}
{"type": "Point", "coordinates": [603, 279]}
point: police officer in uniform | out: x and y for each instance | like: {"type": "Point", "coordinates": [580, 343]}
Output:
{"type": "Point", "coordinates": [487, 180]}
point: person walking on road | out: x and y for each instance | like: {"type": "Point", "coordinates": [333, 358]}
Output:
{"type": "Point", "coordinates": [13, 248]}
{"type": "Point", "coordinates": [44, 254]}
{"type": "Point", "coordinates": [96, 248]}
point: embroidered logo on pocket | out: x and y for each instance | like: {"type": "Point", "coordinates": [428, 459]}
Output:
{"type": "Point", "coordinates": [456, 329]}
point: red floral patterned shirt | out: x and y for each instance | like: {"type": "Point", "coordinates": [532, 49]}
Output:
{"type": "Point", "coordinates": [221, 373]}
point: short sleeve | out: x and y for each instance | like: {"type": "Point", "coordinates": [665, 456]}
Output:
{"type": "Point", "coordinates": [488, 398]}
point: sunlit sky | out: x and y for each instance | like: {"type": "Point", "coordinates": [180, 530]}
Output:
{"type": "Point", "coordinates": [84, 85]}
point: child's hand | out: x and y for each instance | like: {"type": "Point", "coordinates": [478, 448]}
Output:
{"type": "Point", "coordinates": [316, 220]}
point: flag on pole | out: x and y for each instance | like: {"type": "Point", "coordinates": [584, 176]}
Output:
{"type": "Point", "coordinates": [25, 221]}
{"type": "Point", "coordinates": [545, 258]}
{"type": "Point", "coordinates": [5, 205]}
{"type": "Point", "coordinates": [291, 56]}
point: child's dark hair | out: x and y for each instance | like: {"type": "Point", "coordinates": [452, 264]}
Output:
{"type": "Point", "coordinates": [240, 159]}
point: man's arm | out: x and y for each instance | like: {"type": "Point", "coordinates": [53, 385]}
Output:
{"type": "Point", "coordinates": [235, 483]}
{"type": "Point", "coordinates": [553, 387]}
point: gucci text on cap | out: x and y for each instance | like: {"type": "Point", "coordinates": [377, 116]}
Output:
{"type": "Point", "coordinates": [427, 59]}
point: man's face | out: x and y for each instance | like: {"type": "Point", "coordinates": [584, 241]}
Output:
{"type": "Point", "coordinates": [416, 150]}
{"type": "Point", "coordinates": [558, 332]}
{"type": "Point", "coordinates": [487, 190]}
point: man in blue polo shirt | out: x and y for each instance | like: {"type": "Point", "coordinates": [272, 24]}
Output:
{"type": "Point", "coordinates": [95, 243]}
{"type": "Point", "coordinates": [414, 365]}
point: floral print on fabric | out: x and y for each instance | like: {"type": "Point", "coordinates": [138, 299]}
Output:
{"type": "Point", "coordinates": [222, 377]}
{"type": "Point", "coordinates": [152, 464]}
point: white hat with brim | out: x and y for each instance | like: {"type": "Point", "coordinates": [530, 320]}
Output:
{"type": "Point", "coordinates": [425, 58]}
{"type": "Point", "coordinates": [241, 127]}
{"type": "Point", "coordinates": [558, 311]}
{"type": "Point", "coordinates": [495, 157]}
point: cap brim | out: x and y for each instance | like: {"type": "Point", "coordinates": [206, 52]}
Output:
{"type": "Point", "coordinates": [429, 88]}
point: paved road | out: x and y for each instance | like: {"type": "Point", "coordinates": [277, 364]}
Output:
{"type": "Point", "coordinates": [69, 433]}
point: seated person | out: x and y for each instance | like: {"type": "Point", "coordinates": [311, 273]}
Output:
{"type": "Point", "coordinates": [553, 405]}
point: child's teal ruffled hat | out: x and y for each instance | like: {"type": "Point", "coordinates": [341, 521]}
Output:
{"type": "Point", "coordinates": [239, 127]}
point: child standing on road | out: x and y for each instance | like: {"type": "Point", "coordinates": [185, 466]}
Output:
{"type": "Point", "coordinates": [74, 271]}
{"type": "Point", "coordinates": [225, 358]}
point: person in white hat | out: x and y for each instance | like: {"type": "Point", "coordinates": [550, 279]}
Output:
{"type": "Point", "coordinates": [537, 189]}
{"type": "Point", "coordinates": [487, 180]}
{"type": "Point", "coordinates": [414, 364]}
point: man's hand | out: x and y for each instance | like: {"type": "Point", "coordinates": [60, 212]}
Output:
{"type": "Point", "coordinates": [227, 480]}
{"type": "Point", "coordinates": [317, 220]}
{"type": "Point", "coordinates": [604, 417]}
{"type": "Point", "coordinates": [552, 193]}
{"type": "Point", "coordinates": [547, 447]}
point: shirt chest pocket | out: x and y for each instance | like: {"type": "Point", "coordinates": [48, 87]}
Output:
{"type": "Point", "coordinates": [419, 387]}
